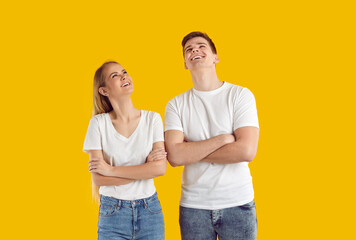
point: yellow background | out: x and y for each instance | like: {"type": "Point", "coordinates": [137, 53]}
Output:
{"type": "Point", "coordinates": [297, 57]}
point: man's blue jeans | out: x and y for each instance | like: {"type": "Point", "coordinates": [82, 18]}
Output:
{"type": "Point", "coordinates": [236, 223]}
{"type": "Point", "coordinates": [139, 219]}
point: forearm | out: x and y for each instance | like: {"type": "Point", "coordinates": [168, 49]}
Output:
{"type": "Point", "coordinates": [144, 171]}
{"type": "Point", "coordinates": [232, 153]}
{"type": "Point", "coordinates": [101, 180]}
{"type": "Point", "coordinates": [185, 153]}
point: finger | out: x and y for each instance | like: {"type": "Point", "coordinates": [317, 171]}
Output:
{"type": "Point", "coordinates": [93, 161]}
{"type": "Point", "coordinates": [158, 153]}
{"type": "Point", "coordinates": [157, 150]}
{"type": "Point", "coordinates": [93, 164]}
{"type": "Point", "coordinates": [160, 156]}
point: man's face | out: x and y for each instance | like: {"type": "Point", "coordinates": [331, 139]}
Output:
{"type": "Point", "coordinates": [198, 54]}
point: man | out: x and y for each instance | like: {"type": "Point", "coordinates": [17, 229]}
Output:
{"type": "Point", "coordinates": [212, 130]}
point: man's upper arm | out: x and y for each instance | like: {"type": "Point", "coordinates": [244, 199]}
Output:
{"type": "Point", "coordinates": [248, 136]}
{"type": "Point", "coordinates": [173, 137]}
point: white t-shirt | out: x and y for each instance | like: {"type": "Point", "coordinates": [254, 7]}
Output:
{"type": "Point", "coordinates": [122, 151]}
{"type": "Point", "coordinates": [201, 115]}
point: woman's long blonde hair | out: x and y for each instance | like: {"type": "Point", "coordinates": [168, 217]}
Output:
{"type": "Point", "coordinates": [101, 104]}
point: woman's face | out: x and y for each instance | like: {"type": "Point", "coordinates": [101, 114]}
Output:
{"type": "Point", "coordinates": [117, 81]}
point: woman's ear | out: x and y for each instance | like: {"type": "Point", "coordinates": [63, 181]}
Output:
{"type": "Point", "coordinates": [103, 91]}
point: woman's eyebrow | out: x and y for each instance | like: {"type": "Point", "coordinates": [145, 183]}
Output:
{"type": "Point", "coordinates": [112, 73]}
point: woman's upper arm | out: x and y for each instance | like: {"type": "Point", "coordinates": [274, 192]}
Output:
{"type": "Point", "coordinates": [157, 145]}
{"type": "Point", "coordinates": [95, 154]}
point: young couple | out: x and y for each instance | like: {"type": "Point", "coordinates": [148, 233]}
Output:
{"type": "Point", "coordinates": [212, 130]}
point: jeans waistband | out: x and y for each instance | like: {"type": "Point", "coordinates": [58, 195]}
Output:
{"type": "Point", "coordinates": [128, 203]}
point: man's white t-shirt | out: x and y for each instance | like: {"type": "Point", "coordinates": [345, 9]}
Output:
{"type": "Point", "coordinates": [201, 115]}
{"type": "Point", "coordinates": [121, 151]}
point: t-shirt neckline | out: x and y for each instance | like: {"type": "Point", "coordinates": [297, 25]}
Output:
{"type": "Point", "coordinates": [212, 91]}
{"type": "Point", "coordinates": [116, 133]}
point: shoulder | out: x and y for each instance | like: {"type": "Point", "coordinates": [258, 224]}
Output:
{"type": "Point", "coordinates": [181, 96]}
{"type": "Point", "coordinates": [239, 91]}
{"type": "Point", "coordinates": [150, 115]}
{"type": "Point", "coordinates": [234, 87]}
{"type": "Point", "coordinates": [99, 117]}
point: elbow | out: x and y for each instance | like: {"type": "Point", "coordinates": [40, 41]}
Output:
{"type": "Point", "coordinates": [174, 164]}
{"type": "Point", "coordinates": [250, 154]}
{"type": "Point", "coordinates": [97, 183]}
{"type": "Point", "coordinates": [161, 167]}
{"type": "Point", "coordinates": [96, 179]}
{"type": "Point", "coordinates": [174, 161]}
{"type": "Point", "coordinates": [173, 156]}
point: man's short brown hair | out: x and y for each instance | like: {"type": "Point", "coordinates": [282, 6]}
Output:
{"type": "Point", "coordinates": [199, 34]}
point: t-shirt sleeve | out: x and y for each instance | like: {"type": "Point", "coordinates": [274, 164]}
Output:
{"type": "Point", "coordinates": [93, 138]}
{"type": "Point", "coordinates": [157, 128]}
{"type": "Point", "coordinates": [245, 111]}
{"type": "Point", "coordinates": [171, 118]}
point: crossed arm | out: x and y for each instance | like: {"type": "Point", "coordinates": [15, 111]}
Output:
{"type": "Point", "coordinates": [222, 149]}
{"type": "Point", "coordinates": [104, 174]}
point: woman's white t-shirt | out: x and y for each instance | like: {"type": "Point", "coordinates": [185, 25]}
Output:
{"type": "Point", "coordinates": [121, 151]}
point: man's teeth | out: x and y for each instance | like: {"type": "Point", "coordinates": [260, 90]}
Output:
{"type": "Point", "coordinates": [197, 57]}
{"type": "Point", "coordinates": [126, 84]}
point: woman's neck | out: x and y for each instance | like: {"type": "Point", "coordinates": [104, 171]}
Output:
{"type": "Point", "coordinates": [123, 109]}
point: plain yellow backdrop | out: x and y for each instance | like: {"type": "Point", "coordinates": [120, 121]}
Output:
{"type": "Point", "coordinates": [297, 57]}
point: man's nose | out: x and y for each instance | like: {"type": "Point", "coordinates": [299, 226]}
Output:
{"type": "Point", "coordinates": [195, 50]}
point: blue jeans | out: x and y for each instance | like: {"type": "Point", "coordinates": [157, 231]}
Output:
{"type": "Point", "coordinates": [138, 219]}
{"type": "Point", "coordinates": [236, 223]}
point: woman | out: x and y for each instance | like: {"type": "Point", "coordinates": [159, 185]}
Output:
{"type": "Point", "coordinates": [126, 150]}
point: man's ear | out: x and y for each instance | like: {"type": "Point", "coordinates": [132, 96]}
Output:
{"type": "Point", "coordinates": [102, 91]}
{"type": "Point", "coordinates": [216, 59]}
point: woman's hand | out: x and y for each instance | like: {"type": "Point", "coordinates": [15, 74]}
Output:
{"type": "Point", "coordinates": [157, 154]}
{"type": "Point", "coordinates": [100, 166]}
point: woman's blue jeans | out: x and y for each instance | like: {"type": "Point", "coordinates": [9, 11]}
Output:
{"type": "Point", "coordinates": [236, 223]}
{"type": "Point", "coordinates": [138, 219]}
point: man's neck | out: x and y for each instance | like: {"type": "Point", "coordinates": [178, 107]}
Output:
{"type": "Point", "coordinates": [205, 79]}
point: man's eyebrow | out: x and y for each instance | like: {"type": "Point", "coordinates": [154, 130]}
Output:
{"type": "Point", "coordinates": [199, 43]}
{"type": "Point", "coordinates": [187, 47]}
{"type": "Point", "coordinates": [123, 70]}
